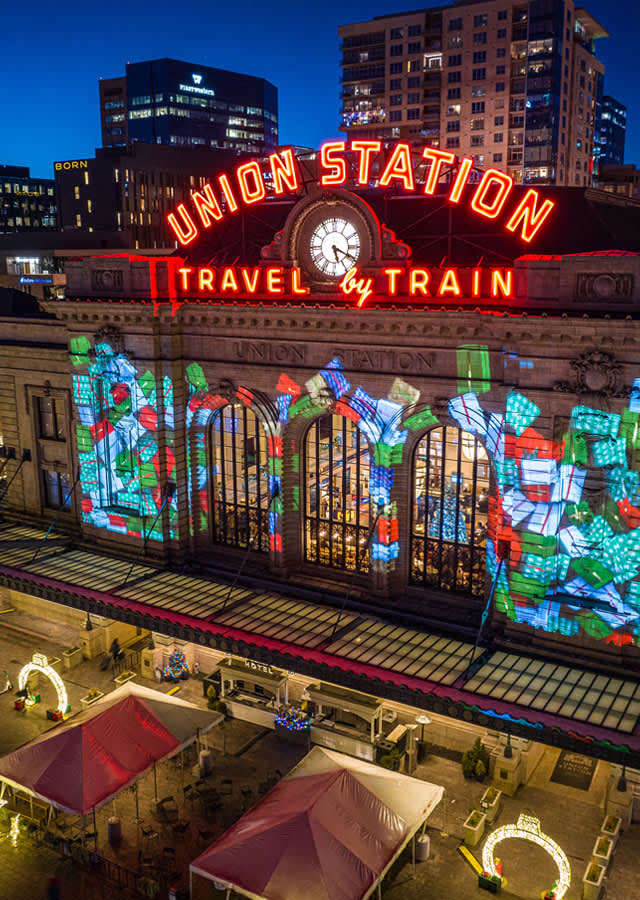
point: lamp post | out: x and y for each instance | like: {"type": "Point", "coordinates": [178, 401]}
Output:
{"type": "Point", "coordinates": [422, 720]}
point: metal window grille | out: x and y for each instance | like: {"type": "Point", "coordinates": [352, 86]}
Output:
{"type": "Point", "coordinates": [240, 481]}
{"type": "Point", "coordinates": [336, 503]}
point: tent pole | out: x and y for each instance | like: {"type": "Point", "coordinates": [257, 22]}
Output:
{"type": "Point", "coordinates": [95, 830]}
{"type": "Point", "coordinates": [31, 805]}
{"type": "Point", "coordinates": [190, 882]}
{"type": "Point", "coordinates": [137, 807]}
{"type": "Point", "coordinates": [155, 781]}
{"type": "Point", "coordinates": [413, 854]}
{"type": "Point", "coordinates": [228, 894]}
{"type": "Point", "coordinates": [379, 891]}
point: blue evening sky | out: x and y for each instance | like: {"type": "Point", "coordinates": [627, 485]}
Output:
{"type": "Point", "coordinates": [54, 53]}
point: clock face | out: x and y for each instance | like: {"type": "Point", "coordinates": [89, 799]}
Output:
{"type": "Point", "coordinates": [334, 246]}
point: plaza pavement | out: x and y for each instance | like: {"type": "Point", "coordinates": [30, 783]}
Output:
{"type": "Point", "coordinates": [251, 758]}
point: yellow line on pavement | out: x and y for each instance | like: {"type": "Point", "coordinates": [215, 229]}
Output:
{"type": "Point", "coordinates": [174, 690]}
{"type": "Point", "coordinates": [470, 858]}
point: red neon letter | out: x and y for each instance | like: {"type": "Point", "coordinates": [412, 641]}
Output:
{"type": "Point", "coordinates": [475, 288]}
{"type": "Point", "coordinates": [418, 281]}
{"type": "Point", "coordinates": [533, 218]}
{"type": "Point", "coordinates": [284, 171]}
{"type": "Point", "coordinates": [399, 166]}
{"type": "Point", "coordinates": [229, 281]}
{"type": "Point", "coordinates": [250, 285]}
{"type": "Point", "coordinates": [226, 187]}
{"type": "Point", "coordinates": [296, 288]}
{"type": "Point", "coordinates": [251, 194]}
{"type": "Point", "coordinates": [207, 206]}
{"type": "Point", "coordinates": [185, 237]}
{"type": "Point", "coordinates": [466, 165]}
{"type": "Point", "coordinates": [501, 285]}
{"type": "Point", "coordinates": [337, 164]}
{"type": "Point", "coordinates": [490, 178]}
{"type": "Point", "coordinates": [275, 280]}
{"type": "Point", "coordinates": [205, 280]}
{"type": "Point", "coordinates": [184, 278]}
{"type": "Point", "coordinates": [365, 149]}
{"type": "Point", "coordinates": [449, 284]}
{"type": "Point", "coordinates": [437, 157]}
{"type": "Point", "coordinates": [392, 275]}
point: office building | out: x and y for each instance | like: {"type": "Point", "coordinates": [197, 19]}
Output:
{"type": "Point", "coordinates": [613, 130]}
{"type": "Point", "coordinates": [621, 180]}
{"type": "Point", "coordinates": [131, 189]}
{"type": "Point", "coordinates": [513, 85]}
{"type": "Point", "coordinates": [26, 203]}
{"type": "Point", "coordinates": [165, 101]}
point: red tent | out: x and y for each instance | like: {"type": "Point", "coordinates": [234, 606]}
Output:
{"type": "Point", "coordinates": [329, 830]}
{"type": "Point", "coordinates": [80, 764]}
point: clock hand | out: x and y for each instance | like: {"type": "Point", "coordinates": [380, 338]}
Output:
{"type": "Point", "coordinates": [337, 250]}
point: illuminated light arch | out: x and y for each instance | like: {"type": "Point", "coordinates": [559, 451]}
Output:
{"type": "Point", "coordinates": [40, 663]}
{"type": "Point", "coordinates": [528, 828]}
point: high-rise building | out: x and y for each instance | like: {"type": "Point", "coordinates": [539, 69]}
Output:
{"type": "Point", "coordinates": [613, 130]}
{"type": "Point", "coordinates": [164, 101]}
{"type": "Point", "coordinates": [26, 203]}
{"type": "Point", "coordinates": [132, 189]}
{"type": "Point", "coordinates": [510, 84]}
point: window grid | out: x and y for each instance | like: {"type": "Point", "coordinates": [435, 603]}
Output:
{"type": "Point", "coordinates": [240, 487]}
{"type": "Point", "coordinates": [336, 505]}
{"type": "Point", "coordinates": [449, 511]}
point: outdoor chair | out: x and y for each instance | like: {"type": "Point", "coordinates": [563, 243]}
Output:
{"type": "Point", "coordinates": [204, 834]}
{"type": "Point", "coordinates": [226, 786]}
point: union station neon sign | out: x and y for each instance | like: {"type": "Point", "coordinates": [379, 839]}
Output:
{"type": "Point", "coordinates": [490, 197]}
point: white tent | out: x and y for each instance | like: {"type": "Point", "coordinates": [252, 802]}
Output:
{"type": "Point", "coordinates": [329, 830]}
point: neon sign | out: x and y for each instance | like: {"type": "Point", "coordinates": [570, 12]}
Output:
{"type": "Point", "coordinates": [400, 167]}
{"type": "Point", "coordinates": [393, 281]}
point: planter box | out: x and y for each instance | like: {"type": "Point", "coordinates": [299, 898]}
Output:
{"type": "Point", "coordinates": [124, 677]}
{"type": "Point", "coordinates": [491, 810]}
{"type": "Point", "coordinates": [602, 850]}
{"type": "Point", "coordinates": [56, 664]}
{"type": "Point", "coordinates": [591, 889]}
{"type": "Point", "coordinates": [611, 828]}
{"type": "Point", "coordinates": [490, 883]}
{"type": "Point", "coordinates": [89, 701]}
{"type": "Point", "coordinates": [473, 834]}
{"type": "Point", "coordinates": [72, 658]}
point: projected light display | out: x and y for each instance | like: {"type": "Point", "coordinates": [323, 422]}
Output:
{"type": "Point", "coordinates": [567, 509]}
{"type": "Point", "coordinates": [570, 511]}
{"type": "Point", "coordinates": [121, 413]}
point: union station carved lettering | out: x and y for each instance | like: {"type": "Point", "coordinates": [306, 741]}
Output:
{"type": "Point", "coordinates": [385, 358]}
{"type": "Point", "coordinates": [265, 351]}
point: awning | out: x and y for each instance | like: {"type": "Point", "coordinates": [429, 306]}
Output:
{"type": "Point", "coordinates": [247, 670]}
{"type": "Point", "coordinates": [363, 705]}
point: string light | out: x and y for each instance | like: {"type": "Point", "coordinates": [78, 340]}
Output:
{"type": "Point", "coordinates": [40, 663]}
{"type": "Point", "coordinates": [14, 832]}
{"type": "Point", "coordinates": [528, 828]}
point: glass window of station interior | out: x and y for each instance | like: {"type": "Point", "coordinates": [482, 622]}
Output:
{"type": "Point", "coordinates": [56, 489]}
{"type": "Point", "coordinates": [337, 509]}
{"type": "Point", "coordinates": [240, 480]}
{"type": "Point", "coordinates": [50, 418]}
{"type": "Point", "coordinates": [450, 511]}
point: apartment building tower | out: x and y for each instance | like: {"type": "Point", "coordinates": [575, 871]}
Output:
{"type": "Point", "coordinates": [613, 131]}
{"type": "Point", "coordinates": [511, 84]}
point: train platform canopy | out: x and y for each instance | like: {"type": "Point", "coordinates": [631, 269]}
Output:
{"type": "Point", "coordinates": [80, 764]}
{"type": "Point", "coordinates": [347, 819]}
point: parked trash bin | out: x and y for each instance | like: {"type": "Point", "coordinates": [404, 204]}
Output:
{"type": "Point", "coordinates": [423, 848]}
{"type": "Point", "coordinates": [206, 762]}
{"type": "Point", "coordinates": [114, 830]}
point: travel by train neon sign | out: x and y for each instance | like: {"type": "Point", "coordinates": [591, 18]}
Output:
{"type": "Point", "coordinates": [361, 163]}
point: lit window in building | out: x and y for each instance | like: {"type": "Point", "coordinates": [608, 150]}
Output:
{"type": "Point", "coordinates": [56, 489]}
{"type": "Point", "coordinates": [49, 418]}
{"type": "Point", "coordinates": [240, 482]}
{"type": "Point", "coordinates": [336, 504]}
{"type": "Point", "coordinates": [450, 511]}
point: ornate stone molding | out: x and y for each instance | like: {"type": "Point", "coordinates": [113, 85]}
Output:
{"type": "Point", "coordinates": [595, 372]}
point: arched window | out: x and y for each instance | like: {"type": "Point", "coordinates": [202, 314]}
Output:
{"type": "Point", "coordinates": [239, 482]}
{"type": "Point", "coordinates": [450, 511]}
{"type": "Point", "coordinates": [336, 486]}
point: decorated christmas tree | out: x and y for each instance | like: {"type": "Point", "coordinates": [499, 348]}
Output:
{"type": "Point", "coordinates": [177, 667]}
{"type": "Point", "coordinates": [451, 531]}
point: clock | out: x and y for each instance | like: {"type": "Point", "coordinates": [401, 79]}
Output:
{"type": "Point", "coordinates": [335, 246]}
{"type": "Point", "coordinates": [329, 235]}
